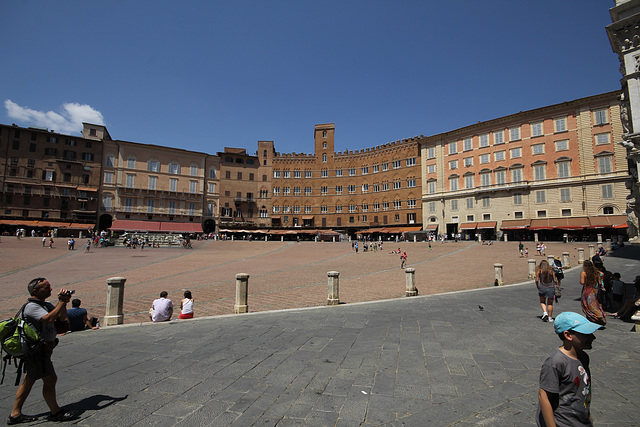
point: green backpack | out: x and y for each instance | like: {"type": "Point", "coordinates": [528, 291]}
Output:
{"type": "Point", "coordinates": [18, 340]}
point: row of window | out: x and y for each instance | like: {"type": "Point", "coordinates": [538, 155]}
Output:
{"type": "Point", "coordinates": [513, 134]}
{"type": "Point", "coordinates": [51, 139]}
{"type": "Point", "coordinates": [563, 168]}
{"type": "Point", "coordinates": [540, 198]}
{"type": "Point", "coordinates": [173, 168]}
{"type": "Point", "coordinates": [129, 205]}
{"type": "Point", "coordinates": [364, 207]}
{"type": "Point", "coordinates": [364, 170]}
{"type": "Point", "coordinates": [109, 178]}
{"type": "Point", "coordinates": [351, 189]}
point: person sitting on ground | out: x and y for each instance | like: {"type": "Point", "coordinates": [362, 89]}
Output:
{"type": "Point", "coordinates": [162, 308]}
{"type": "Point", "coordinates": [601, 251]}
{"type": "Point", "coordinates": [78, 318]}
{"type": "Point", "coordinates": [631, 302]}
{"type": "Point", "coordinates": [186, 306]}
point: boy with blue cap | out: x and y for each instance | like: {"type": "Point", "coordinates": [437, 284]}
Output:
{"type": "Point", "coordinates": [565, 384]}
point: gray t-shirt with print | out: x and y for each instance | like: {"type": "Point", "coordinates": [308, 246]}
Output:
{"type": "Point", "coordinates": [570, 380]}
{"type": "Point", "coordinates": [33, 312]}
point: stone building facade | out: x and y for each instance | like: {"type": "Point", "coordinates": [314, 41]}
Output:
{"type": "Point", "coordinates": [48, 180]}
{"type": "Point", "coordinates": [350, 190]}
{"type": "Point", "coordinates": [554, 169]}
{"type": "Point", "coordinates": [145, 182]}
{"type": "Point", "coordinates": [242, 182]}
{"type": "Point", "coordinates": [624, 36]}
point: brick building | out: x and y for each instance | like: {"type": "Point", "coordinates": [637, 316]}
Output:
{"type": "Point", "coordinates": [351, 191]}
{"type": "Point", "coordinates": [48, 181]}
{"type": "Point", "coordinates": [552, 170]}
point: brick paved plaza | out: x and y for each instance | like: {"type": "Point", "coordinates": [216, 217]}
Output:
{"type": "Point", "coordinates": [282, 274]}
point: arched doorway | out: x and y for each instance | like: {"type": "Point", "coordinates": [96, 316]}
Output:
{"type": "Point", "coordinates": [106, 221]}
{"type": "Point", "coordinates": [209, 226]}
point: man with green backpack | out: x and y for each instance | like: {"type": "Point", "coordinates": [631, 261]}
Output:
{"type": "Point", "coordinates": [41, 315]}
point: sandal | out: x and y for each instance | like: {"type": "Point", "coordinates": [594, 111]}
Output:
{"type": "Point", "coordinates": [63, 415]}
{"type": "Point", "coordinates": [21, 419]}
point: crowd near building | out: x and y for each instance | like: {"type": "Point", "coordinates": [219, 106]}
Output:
{"type": "Point", "coordinates": [553, 172]}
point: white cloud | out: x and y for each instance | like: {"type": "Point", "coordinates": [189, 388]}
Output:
{"type": "Point", "coordinates": [69, 120]}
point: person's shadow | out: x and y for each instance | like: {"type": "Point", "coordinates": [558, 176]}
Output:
{"type": "Point", "coordinates": [92, 403]}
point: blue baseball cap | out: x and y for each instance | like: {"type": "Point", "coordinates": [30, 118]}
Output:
{"type": "Point", "coordinates": [570, 321]}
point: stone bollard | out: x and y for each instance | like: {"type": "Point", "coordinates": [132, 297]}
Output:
{"type": "Point", "coordinates": [599, 239]}
{"type": "Point", "coordinates": [504, 237]}
{"type": "Point", "coordinates": [566, 261]}
{"type": "Point", "coordinates": [592, 251]}
{"type": "Point", "coordinates": [607, 245]}
{"type": "Point", "coordinates": [415, 238]}
{"type": "Point", "coordinates": [532, 268]}
{"type": "Point", "coordinates": [334, 288]}
{"type": "Point", "coordinates": [580, 255]}
{"type": "Point", "coordinates": [565, 238]}
{"type": "Point", "coordinates": [115, 298]}
{"type": "Point", "coordinates": [498, 270]}
{"type": "Point", "coordinates": [550, 259]}
{"type": "Point", "coordinates": [410, 276]}
{"type": "Point", "coordinates": [535, 237]}
{"type": "Point", "coordinates": [242, 288]}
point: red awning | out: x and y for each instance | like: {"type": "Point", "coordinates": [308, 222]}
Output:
{"type": "Point", "coordinates": [515, 224]}
{"type": "Point", "coordinates": [485, 225]}
{"type": "Point", "coordinates": [133, 225]}
{"type": "Point", "coordinates": [431, 227]}
{"type": "Point", "coordinates": [468, 226]}
{"type": "Point", "coordinates": [180, 227]}
{"type": "Point", "coordinates": [540, 224]}
{"type": "Point", "coordinates": [609, 221]}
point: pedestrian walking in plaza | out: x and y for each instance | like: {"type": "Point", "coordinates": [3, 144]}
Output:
{"type": "Point", "coordinates": [564, 395]}
{"type": "Point", "coordinates": [41, 316]}
{"type": "Point", "coordinates": [546, 282]}
{"type": "Point", "coordinates": [591, 281]}
{"type": "Point", "coordinates": [403, 259]}
{"type": "Point", "coordinates": [521, 249]}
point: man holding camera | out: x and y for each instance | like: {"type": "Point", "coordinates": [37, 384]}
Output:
{"type": "Point", "coordinates": [41, 315]}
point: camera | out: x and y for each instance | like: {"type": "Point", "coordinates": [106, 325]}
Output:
{"type": "Point", "coordinates": [67, 293]}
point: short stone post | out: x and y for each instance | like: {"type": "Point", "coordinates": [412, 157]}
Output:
{"type": "Point", "coordinates": [415, 238]}
{"type": "Point", "coordinates": [580, 255]}
{"type": "Point", "coordinates": [532, 268]}
{"type": "Point", "coordinates": [265, 237]}
{"type": "Point", "coordinates": [282, 238]}
{"type": "Point", "coordinates": [410, 276]}
{"type": "Point", "coordinates": [566, 261]}
{"type": "Point", "coordinates": [592, 251]}
{"type": "Point", "coordinates": [535, 237]}
{"type": "Point", "coordinates": [115, 299]}
{"type": "Point", "coordinates": [242, 288]}
{"type": "Point", "coordinates": [599, 239]}
{"type": "Point", "coordinates": [498, 270]}
{"type": "Point", "coordinates": [479, 238]}
{"type": "Point", "coordinates": [550, 259]}
{"type": "Point", "coordinates": [504, 237]}
{"type": "Point", "coordinates": [334, 288]}
{"type": "Point", "coordinates": [565, 238]}
{"type": "Point", "coordinates": [607, 245]}
{"type": "Point", "coordinates": [334, 239]}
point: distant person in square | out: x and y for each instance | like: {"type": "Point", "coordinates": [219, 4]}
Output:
{"type": "Point", "coordinates": [162, 308]}
{"type": "Point", "coordinates": [565, 379]}
{"type": "Point", "coordinates": [79, 319]}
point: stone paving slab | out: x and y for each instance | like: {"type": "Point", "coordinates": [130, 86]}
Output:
{"type": "Point", "coordinates": [427, 360]}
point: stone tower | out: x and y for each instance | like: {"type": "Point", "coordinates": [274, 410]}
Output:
{"type": "Point", "coordinates": [624, 36]}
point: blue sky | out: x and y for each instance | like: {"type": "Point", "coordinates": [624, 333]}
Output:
{"type": "Point", "coordinates": [203, 74]}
